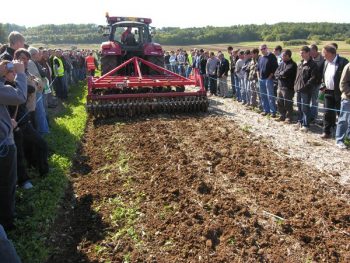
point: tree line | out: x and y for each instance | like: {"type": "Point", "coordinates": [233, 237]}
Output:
{"type": "Point", "coordinates": [89, 34]}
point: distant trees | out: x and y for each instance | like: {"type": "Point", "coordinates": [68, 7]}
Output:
{"type": "Point", "coordinates": [88, 33]}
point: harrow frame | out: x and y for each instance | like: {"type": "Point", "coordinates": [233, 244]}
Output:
{"type": "Point", "coordinates": [148, 98]}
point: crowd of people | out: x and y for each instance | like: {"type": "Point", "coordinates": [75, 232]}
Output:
{"type": "Point", "coordinates": [273, 83]}
{"type": "Point", "coordinates": [32, 79]}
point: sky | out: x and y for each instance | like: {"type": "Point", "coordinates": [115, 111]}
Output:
{"type": "Point", "coordinates": [180, 13]}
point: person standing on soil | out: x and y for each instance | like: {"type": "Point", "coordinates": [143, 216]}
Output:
{"type": "Point", "coordinates": [211, 70]}
{"type": "Point", "coordinates": [240, 76]}
{"type": "Point", "coordinates": [285, 75]}
{"type": "Point", "coordinates": [8, 155]}
{"type": "Point", "coordinates": [203, 68]}
{"type": "Point", "coordinates": [317, 57]}
{"type": "Point", "coordinates": [332, 71]}
{"type": "Point", "coordinates": [223, 69]}
{"type": "Point", "coordinates": [343, 125]}
{"type": "Point", "coordinates": [267, 66]}
{"type": "Point", "coordinates": [306, 80]}
{"type": "Point", "coordinates": [253, 79]}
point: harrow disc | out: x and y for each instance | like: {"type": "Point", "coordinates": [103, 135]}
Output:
{"type": "Point", "coordinates": [145, 106]}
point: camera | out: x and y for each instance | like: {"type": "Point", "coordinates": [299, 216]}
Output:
{"type": "Point", "coordinates": [10, 66]}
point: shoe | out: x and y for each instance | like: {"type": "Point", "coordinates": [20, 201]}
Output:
{"type": "Point", "coordinates": [273, 115]}
{"type": "Point", "coordinates": [341, 145]}
{"type": "Point", "coordinates": [288, 120]}
{"type": "Point", "coordinates": [281, 118]}
{"type": "Point", "coordinates": [264, 113]}
{"type": "Point", "coordinates": [297, 126]}
{"type": "Point", "coordinates": [304, 129]}
{"type": "Point", "coordinates": [325, 136]}
{"type": "Point", "coordinates": [27, 185]}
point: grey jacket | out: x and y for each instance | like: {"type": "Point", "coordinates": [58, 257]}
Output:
{"type": "Point", "coordinates": [10, 96]}
{"type": "Point", "coordinates": [345, 83]}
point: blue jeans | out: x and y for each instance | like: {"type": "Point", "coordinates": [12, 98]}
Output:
{"type": "Point", "coordinates": [233, 84]}
{"type": "Point", "coordinates": [343, 125]}
{"type": "Point", "coordinates": [267, 93]}
{"type": "Point", "coordinates": [243, 85]}
{"type": "Point", "coordinates": [188, 71]}
{"type": "Point", "coordinates": [314, 102]}
{"type": "Point", "coordinates": [7, 250]}
{"type": "Point", "coordinates": [303, 100]}
{"type": "Point", "coordinates": [40, 114]}
{"type": "Point", "coordinates": [238, 88]}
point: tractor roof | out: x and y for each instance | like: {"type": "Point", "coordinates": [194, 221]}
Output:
{"type": "Point", "coordinates": [115, 19]}
{"type": "Point", "coordinates": [128, 23]}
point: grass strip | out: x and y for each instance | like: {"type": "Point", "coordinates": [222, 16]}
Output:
{"type": "Point", "coordinates": [37, 207]}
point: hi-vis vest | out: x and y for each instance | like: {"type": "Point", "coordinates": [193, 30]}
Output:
{"type": "Point", "coordinates": [59, 71]}
{"type": "Point", "coordinates": [90, 63]}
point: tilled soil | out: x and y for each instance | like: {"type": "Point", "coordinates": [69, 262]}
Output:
{"type": "Point", "coordinates": [196, 189]}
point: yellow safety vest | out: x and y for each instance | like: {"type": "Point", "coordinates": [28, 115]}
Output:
{"type": "Point", "coordinates": [60, 69]}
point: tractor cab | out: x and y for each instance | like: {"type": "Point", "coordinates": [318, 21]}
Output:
{"type": "Point", "coordinates": [130, 35]}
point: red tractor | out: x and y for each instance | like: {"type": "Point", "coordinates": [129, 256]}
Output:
{"type": "Point", "coordinates": [137, 43]}
{"type": "Point", "coordinates": [134, 80]}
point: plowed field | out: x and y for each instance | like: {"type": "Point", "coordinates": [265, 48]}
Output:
{"type": "Point", "coordinates": [196, 189]}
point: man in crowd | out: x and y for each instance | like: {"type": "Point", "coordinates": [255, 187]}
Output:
{"type": "Point", "coordinates": [332, 71]}
{"type": "Point", "coordinates": [91, 64]}
{"type": "Point", "coordinates": [58, 69]}
{"type": "Point", "coordinates": [253, 78]}
{"type": "Point", "coordinates": [8, 159]}
{"type": "Point", "coordinates": [240, 76]}
{"type": "Point", "coordinates": [317, 57]}
{"type": "Point", "coordinates": [343, 125]}
{"type": "Point", "coordinates": [223, 69]}
{"type": "Point", "coordinates": [16, 41]}
{"type": "Point", "coordinates": [285, 75]}
{"type": "Point", "coordinates": [211, 70]}
{"type": "Point", "coordinates": [305, 82]}
{"type": "Point", "coordinates": [267, 66]}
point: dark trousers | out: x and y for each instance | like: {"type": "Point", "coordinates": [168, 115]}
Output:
{"type": "Point", "coordinates": [285, 102]}
{"type": "Point", "coordinates": [8, 179]}
{"type": "Point", "coordinates": [213, 84]}
{"type": "Point", "coordinates": [91, 72]}
{"type": "Point", "coordinates": [22, 175]}
{"type": "Point", "coordinates": [331, 104]}
{"type": "Point", "coordinates": [35, 149]}
{"type": "Point", "coordinates": [60, 87]}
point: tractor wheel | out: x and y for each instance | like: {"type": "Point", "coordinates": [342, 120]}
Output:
{"type": "Point", "coordinates": [157, 60]}
{"type": "Point", "coordinates": [109, 62]}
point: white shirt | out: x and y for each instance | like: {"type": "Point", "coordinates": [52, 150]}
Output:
{"type": "Point", "coordinates": [329, 74]}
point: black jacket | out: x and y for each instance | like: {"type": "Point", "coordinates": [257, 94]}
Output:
{"type": "Point", "coordinates": [203, 65]}
{"type": "Point", "coordinates": [7, 54]}
{"type": "Point", "coordinates": [307, 76]}
{"type": "Point", "coordinates": [286, 74]}
{"type": "Point", "coordinates": [224, 67]}
{"type": "Point", "coordinates": [340, 63]}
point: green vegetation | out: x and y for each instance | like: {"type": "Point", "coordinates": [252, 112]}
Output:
{"type": "Point", "coordinates": [88, 33]}
{"type": "Point", "coordinates": [37, 207]}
